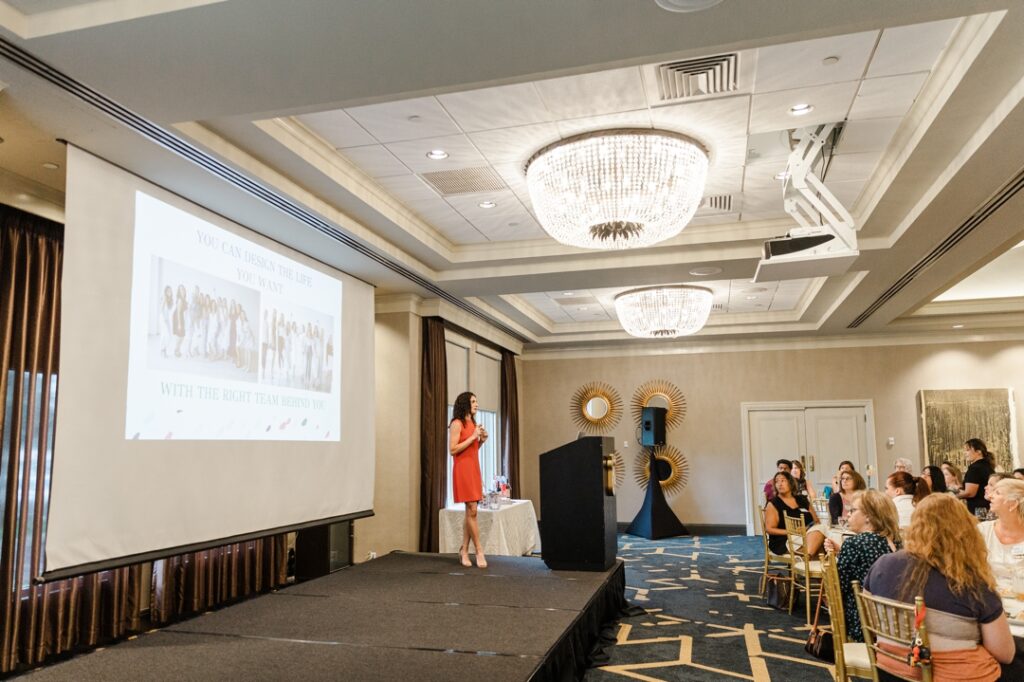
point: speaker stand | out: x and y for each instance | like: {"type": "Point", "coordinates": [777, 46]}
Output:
{"type": "Point", "coordinates": [656, 520]}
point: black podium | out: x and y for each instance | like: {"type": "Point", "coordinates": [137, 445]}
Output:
{"type": "Point", "coordinates": [577, 506]}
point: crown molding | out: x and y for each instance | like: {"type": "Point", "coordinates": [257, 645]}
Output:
{"type": "Point", "coordinates": [974, 306]}
{"type": "Point", "coordinates": [87, 15]}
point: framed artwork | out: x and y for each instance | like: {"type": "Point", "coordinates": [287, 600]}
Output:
{"type": "Point", "coordinates": [949, 417]}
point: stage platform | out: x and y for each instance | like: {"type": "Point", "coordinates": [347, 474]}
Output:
{"type": "Point", "coordinates": [404, 616]}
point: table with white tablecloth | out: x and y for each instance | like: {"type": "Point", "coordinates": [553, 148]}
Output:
{"type": "Point", "coordinates": [510, 530]}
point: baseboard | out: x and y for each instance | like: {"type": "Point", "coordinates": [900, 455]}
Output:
{"type": "Point", "coordinates": [702, 529]}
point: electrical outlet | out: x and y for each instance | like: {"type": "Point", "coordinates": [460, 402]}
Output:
{"type": "Point", "coordinates": [371, 556]}
{"type": "Point", "coordinates": [625, 443]}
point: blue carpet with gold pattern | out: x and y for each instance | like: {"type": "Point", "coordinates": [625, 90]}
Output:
{"type": "Point", "coordinates": [704, 618]}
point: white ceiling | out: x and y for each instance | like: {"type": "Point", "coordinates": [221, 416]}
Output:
{"type": "Point", "coordinates": [869, 79]}
{"type": "Point", "coordinates": [1001, 278]}
{"type": "Point", "coordinates": [334, 106]}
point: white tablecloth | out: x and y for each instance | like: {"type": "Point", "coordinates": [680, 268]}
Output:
{"type": "Point", "coordinates": [509, 531]}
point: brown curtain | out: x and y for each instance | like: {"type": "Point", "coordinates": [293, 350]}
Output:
{"type": "Point", "coordinates": [40, 621]}
{"type": "Point", "coordinates": [510, 421]}
{"type": "Point", "coordinates": [433, 432]}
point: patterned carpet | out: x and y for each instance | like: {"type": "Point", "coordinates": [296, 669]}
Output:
{"type": "Point", "coordinates": [704, 618]}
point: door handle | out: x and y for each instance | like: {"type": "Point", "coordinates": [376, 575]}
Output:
{"type": "Point", "coordinates": [812, 463]}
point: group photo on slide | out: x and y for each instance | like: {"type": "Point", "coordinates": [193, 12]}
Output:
{"type": "Point", "coordinates": [201, 324]}
{"type": "Point", "coordinates": [296, 347]}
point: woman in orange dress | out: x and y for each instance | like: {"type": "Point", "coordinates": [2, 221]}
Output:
{"type": "Point", "coordinates": [464, 439]}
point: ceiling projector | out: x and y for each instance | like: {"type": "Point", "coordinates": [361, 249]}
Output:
{"type": "Point", "coordinates": [825, 243]}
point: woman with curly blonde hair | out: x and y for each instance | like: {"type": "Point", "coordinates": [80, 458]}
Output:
{"type": "Point", "coordinates": [945, 562]}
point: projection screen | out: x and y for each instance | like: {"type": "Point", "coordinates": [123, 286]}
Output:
{"type": "Point", "coordinates": [213, 384]}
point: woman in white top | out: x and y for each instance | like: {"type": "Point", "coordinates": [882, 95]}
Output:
{"type": "Point", "coordinates": [1004, 537]}
{"type": "Point", "coordinates": [905, 491]}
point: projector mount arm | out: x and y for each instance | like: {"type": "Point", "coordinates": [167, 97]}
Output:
{"type": "Point", "coordinates": [806, 198]}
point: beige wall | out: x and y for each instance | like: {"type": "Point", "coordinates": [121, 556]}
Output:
{"type": "Point", "coordinates": [716, 383]}
{"type": "Point", "coordinates": [397, 477]}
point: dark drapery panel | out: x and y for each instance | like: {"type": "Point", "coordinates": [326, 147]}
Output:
{"type": "Point", "coordinates": [510, 421]}
{"type": "Point", "coordinates": [40, 621]}
{"type": "Point", "coordinates": [433, 431]}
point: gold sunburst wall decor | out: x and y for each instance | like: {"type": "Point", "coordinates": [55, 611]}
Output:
{"type": "Point", "coordinates": [619, 467]}
{"type": "Point", "coordinates": [596, 407]}
{"type": "Point", "coordinates": [660, 393]}
{"type": "Point", "coordinates": [674, 470]}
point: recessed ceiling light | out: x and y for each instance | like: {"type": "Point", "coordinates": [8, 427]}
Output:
{"type": "Point", "coordinates": [782, 175]}
{"type": "Point", "coordinates": [751, 298]}
{"type": "Point", "coordinates": [487, 204]}
{"type": "Point", "coordinates": [801, 109]}
{"type": "Point", "coordinates": [704, 272]}
{"type": "Point", "coordinates": [756, 290]}
{"type": "Point", "coordinates": [413, 119]}
{"type": "Point", "coordinates": [958, 326]}
{"type": "Point", "coordinates": [50, 165]}
{"type": "Point", "coordinates": [583, 307]}
{"type": "Point", "coordinates": [437, 154]}
{"type": "Point", "coordinates": [566, 293]}
{"type": "Point", "coordinates": [829, 61]}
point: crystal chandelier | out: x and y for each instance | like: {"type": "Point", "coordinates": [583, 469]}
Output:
{"type": "Point", "coordinates": [664, 311]}
{"type": "Point", "coordinates": [617, 189]}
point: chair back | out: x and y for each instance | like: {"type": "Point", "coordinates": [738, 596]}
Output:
{"type": "Point", "coordinates": [796, 530]}
{"type": "Point", "coordinates": [820, 505]}
{"type": "Point", "coordinates": [834, 599]}
{"type": "Point", "coordinates": [893, 621]}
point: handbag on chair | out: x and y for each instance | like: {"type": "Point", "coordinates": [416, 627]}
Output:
{"type": "Point", "coordinates": [819, 641]}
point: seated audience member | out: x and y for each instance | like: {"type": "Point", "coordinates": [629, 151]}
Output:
{"type": "Point", "coordinates": [905, 491]}
{"type": "Point", "coordinates": [804, 487]}
{"type": "Point", "coordinates": [943, 562]}
{"type": "Point", "coordinates": [935, 479]}
{"type": "Point", "coordinates": [954, 479]}
{"type": "Point", "coordinates": [1004, 537]}
{"type": "Point", "coordinates": [1018, 474]}
{"type": "Point", "coordinates": [784, 503]}
{"type": "Point", "coordinates": [983, 463]}
{"type": "Point", "coordinates": [769, 487]}
{"type": "Point", "coordinates": [991, 483]}
{"type": "Point", "coordinates": [845, 465]}
{"type": "Point", "coordinates": [873, 518]}
{"type": "Point", "coordinates": [903, 464]}
{"type": "Point", "coordinates": [839, 503]}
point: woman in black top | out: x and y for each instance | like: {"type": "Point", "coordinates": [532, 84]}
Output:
{"type": "Point", "coordinates": [839, 504]}
{"type": "Point", "coordinates": [935, 478]}
{"type": "Point", "coordinates": [976, 477]}
{"type": "Point", "coordinates": [786, 503]}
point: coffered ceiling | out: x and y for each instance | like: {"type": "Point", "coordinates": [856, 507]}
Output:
{"type": "Point", "coordinates": [929, 92]}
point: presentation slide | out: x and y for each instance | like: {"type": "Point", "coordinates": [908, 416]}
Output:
{"type": "Point", "coordinates": [213, 382]}
{"type": "Point", "coordinates": [229, 340]}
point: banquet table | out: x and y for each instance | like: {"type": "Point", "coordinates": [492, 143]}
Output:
{"type": "Point", "coordinates": [510, 530]}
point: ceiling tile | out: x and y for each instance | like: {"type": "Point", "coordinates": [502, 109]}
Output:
{"type": "Point", "coordinates": [337, 128]}
{"type": "Point", "coordinates": [514, 145]}
{"type": "Point", "coordinates": [847, 192]}
{"type": "Point", "coordinates": [592, 94]}
{"type": "Point", "coordinates": [375, 161]}
{"type": "Point", "coordinates": [907, 49]}
{"type": "Point", "coordinates": [461, 153]}
{"type": "Point", "coordinates": [771, 147]}
{"type": "Point", "coordinates": [507, 221]}
{"type": "Point", "coordinates": [707, 120]}
{"type": "Point", "coordinates": [872, 135]}
{"type": "Point", "coordinates": [720, 219]}
{"type": "Point", "coordinates": [411, 190]}
{"type": "Point", "coordinates": [504, 106]}
{"type": "Point", "coordinates": [724, 181]}
{"type": "Point", "coordinates": [450, 223]}
{"type": "Point", "coordinates": [771, 111]}
{"type": "Point", "coordinates": [886, 97]}
{"type": "Point", "coordinates": [626, 119]}
{"type": "Point", "coordinates": [852, 167]}
{"type": "Point", "coordinates": [800, 65]}
{"type": "Point", "coordinates": [389, 122]}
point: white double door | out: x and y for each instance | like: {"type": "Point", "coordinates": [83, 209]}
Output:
{"type": "Point", "coordinates": [822, 437]}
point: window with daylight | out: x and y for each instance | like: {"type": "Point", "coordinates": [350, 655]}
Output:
{"type": "Point", "coordinates": [475, 367]}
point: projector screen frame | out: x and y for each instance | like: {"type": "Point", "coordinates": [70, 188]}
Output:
{"type": "Point", "coordinates": [156, 555]}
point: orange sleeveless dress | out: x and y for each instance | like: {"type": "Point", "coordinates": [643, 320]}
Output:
{"type": "Point", "coordinates": [467, 485]}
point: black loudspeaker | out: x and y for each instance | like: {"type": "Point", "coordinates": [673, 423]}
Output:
{"type": "Point", "coordinates": [652, 426]}
{"type": "Point", "coordinates": [577, 506]}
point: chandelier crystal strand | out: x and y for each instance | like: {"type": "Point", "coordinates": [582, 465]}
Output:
{"type": "Point", "coordinates": [663, 312]}
{"type": "Point", "coordinates": [617, 189]}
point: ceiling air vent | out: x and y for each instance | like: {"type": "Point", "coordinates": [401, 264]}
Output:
{"type": "Point", "coordinates": [718, 307]}
{"type": "Point", "coordinates": [696, 77]}
{"type": "Point", "coordinates": [465, 181]}
{"type": "Point", "coordinates": [716, 203]}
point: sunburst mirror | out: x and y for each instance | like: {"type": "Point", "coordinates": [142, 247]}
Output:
{"type": "Point", "coordinates": [619, 469]}
{"type": "Point", "coordinates": [671, 466]}
{"type": "Point", "coordinates": [660, 393]}
{"type": "Point", "coordinates": [596, 407]}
